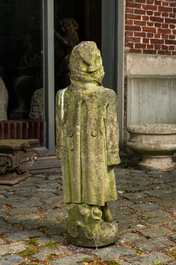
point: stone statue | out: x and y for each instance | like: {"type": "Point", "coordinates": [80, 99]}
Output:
{"type": "Point", "coordinates": [87, 144]}
{"type": "Point", "coordinates": [3, 101]}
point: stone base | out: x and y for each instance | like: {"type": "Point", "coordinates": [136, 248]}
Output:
{"type": "Point", "coordinates": [86, 228]}
{"type": "Point", "coordinates": [157, 163]}
{"type": "Point", "coordinates": [13, 178]}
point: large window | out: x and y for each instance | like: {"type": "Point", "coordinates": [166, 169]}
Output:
{"type": "Point", "coordinates": [21, 70]}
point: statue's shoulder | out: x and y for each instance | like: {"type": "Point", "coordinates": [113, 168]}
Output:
{"type": "Point", "coordinates": [108, 93]}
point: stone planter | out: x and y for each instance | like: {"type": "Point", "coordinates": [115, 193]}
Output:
{"type": "Point", "coordinates": [156, 143]}
{"type": "Point", "coordinates": [16, 156]}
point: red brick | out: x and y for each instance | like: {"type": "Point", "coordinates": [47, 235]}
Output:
{"type": "Point", "coordinates": [150, 46]}
{"type": "Point", "coordinates": [145, 18]}
{"type": "Point", "coordinates": [170, 21]}
{"type": "Point", "coordinates": [134, 5]}
{"type": "Point", "coordinates": [134, 17]}
{"type": "Point", "coordinates": [140, 1]}
{"type": "Point", "coordinates": [129, 22]}
{"type": "Point", "coordinates": [156, 19]}
{"type": "Point", "coordinates": [174, 31]}
{"type": "Point", "coordinates": [150, 35]}
{"type": "Point", "coordinates": [165, 26]}
{"type": "Point", "coordinates": [150, 1]}
{"type": "Point", "coordinates": [129, 33]}
{"type": "Point", "coordinates": [157, 47]}
{"type": "Point", "coordinates": [129, 10]}
{"type": "Point", "coordinates": [149, 29]}
{"type": "Point", "coordinates": [171, 37]}
{"type": "Point", "coordinates": [140, 34]}
{"type": "Point", "coordinates": [171, 48]}
{"type": "Point", "coordinates": [164, 47]}
{"type": "Point", "coordinates": [133, 28]}
{"type": "Point", "coordinates": [157, 2]}
{"type": "Point", "coordinates": [164, 9]}
{"type": "Point", "coordinates": [172, 15]}
{"type": "Point", "coordinates": [164, 3]}
{"type": "Point", "coordinates": [165, 14]}
{"type": "Point", "coordinates": [145, 40]}
{"type": "Point", "coordinates": [157, 14]}
{"type": "Point", "coordinates": [157, 36]}
{"type": "Point", "coordinates": [170, 42]}
{"type": "Point", "coordinates": [157, 41]}
{"type": "Point", "coordinates": [132, 39]}
{"type": "Point", "coordinates": [129, 45]}
{"type": "Point", "coordinates": [166, 31]}
{"type": "Point", "coordinates": [149, 13]}
{"type": "Point", "coordinates": [149, 7]}
{"type": "Point", "coordinates": [164, 52]}
{"type": "Point", "coordinates": [140, 46]}
{"type": "Point", "coordinates": [139, 11]}
{"type": "Point", "coordinates": [149, 51]}
{"type": "Point", "coordinates": [157, 25]}
{"type": "Point", "coordinates": [135, 51]}
{"type": "Point", "coordinates": [150, 24]}
{"type": "Point", "coordinates": [172, 26]}
{"type": "Point", "coordinates": [140, 23]}
{"type": "Point", "coordinates": [165, 36]}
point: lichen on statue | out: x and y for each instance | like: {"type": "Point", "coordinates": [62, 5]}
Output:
{"type": "Point", "coordinates": [87, 144]}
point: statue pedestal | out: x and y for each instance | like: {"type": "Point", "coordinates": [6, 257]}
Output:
{"type": "Point", "coordinates": [86, 227]}
{"type": "Point", "coordinates": [16, 156]}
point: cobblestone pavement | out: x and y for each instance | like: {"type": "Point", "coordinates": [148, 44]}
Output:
{"type": "Point", "coordinates": [33, 229]}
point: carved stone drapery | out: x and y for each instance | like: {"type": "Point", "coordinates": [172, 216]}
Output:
{"type": "Point", "coordinates": [16, 157]}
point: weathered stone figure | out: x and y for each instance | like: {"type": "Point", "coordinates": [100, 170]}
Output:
{"type": "Point", "coordinates": [87, 144]}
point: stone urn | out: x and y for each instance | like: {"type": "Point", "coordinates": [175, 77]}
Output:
{"type": "Point", "coordinates": [156, 143]}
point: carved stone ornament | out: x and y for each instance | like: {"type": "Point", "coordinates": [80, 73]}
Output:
{"type": "Point", "coordinates": [16, 157]}
{"type": "Point", "coordinates": [87, 144]}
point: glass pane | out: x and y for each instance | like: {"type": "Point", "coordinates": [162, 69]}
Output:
{"type": "Point", "coordinates": [21, 70]}
{"type": "Point", "coordinates": [75, 21]}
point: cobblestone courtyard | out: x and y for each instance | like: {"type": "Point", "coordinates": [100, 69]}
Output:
{"type": "Point", "coordinates": [33, 229]}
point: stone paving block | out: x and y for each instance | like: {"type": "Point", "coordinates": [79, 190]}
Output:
{"type": "Point", "coordinates": [144, 207]}
{"type": "Point", "coordinates": [129, 226]}
{"type": "Point", "coordinates": [8, 229]}
{"type": "Point", "coordinates": [12, 248]}
{"type": "Point", "coordinates": [70, 260]}
{"type": "Point", "coordinates": [57, 229]}
{"type": "Point", "coordinates": [157, 213]}
{"type": "Point", "coordinates": [11, 260]}
{"type": "Point", "coordinates": [155, 232]}
{"type": "Point", "coordinates": [39, 223]}
{"type": "Point", "coordinates": [113, 252]}
{"type": "Point", "coordinates": [172, 263]}
{"type": "Point", "coordinates": [44, 240]}
{"type": "Point", "coordinates": [134, 196]}
{"type": "Point", "coordinates": [153, 244]}
{"type": "Point", "coordinates": [27, 210]}
{"type": "Point", "coordinates": [130, 237]}
{"type": "Point", "coordinates": [127, 218]}
{"type": "Point", "coordinates": [55, 213]}
{"type": "Point", "coordinates": [22, 218]}
{"type": "Point", "coordinates": [45, 252]}
{"type": "Point", "coordinates": [150, 259]}
{"type": "Point", "coordinates": [173, 237]}
{"type": "Point", "coordinates": [122, 204]}
{"type": "Point", "coordinates": [157, 221]}
{"type": "Point", "coordinates": [23, 235]}
{"type": "Point", "coordinates": [23, 204]}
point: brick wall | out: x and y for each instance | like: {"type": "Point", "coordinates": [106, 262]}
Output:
{"type": "Point", "coordinates": [151, 26]}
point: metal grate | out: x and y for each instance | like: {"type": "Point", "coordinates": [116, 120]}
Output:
{"type": "Point", "coordinates": [22, 129]}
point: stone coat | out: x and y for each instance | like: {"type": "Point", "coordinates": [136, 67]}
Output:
{"type": "Point", "coordinates": [87, 142]}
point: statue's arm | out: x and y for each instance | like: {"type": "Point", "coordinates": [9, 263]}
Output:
{"type": "Point", "coordinates": [58, 126]}
{"type": "Point", "coordinates": [112, 130]}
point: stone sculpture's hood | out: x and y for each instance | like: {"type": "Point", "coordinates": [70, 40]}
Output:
{"type": "Point", "coordinates": [86, 63]}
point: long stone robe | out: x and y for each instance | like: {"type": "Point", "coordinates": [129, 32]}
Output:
{"type": "Point", "coordinates": [87, 143]}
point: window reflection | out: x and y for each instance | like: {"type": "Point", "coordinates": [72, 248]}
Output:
{"type": "Point", "coordinates": [21, 69]}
